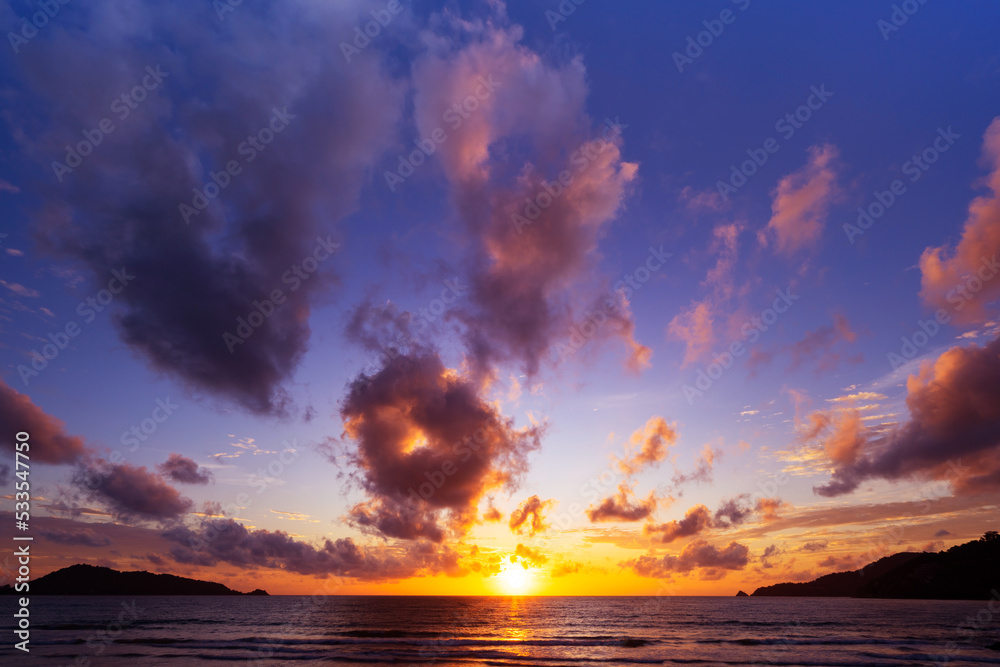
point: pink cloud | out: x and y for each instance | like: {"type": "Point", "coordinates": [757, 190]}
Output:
{"type": "Point", "coordinates": [694, 327]}
{"type": "Point", "coordinates": [701, 200]}
{"type": "Point", "coordinates": [647, 446]}
{"type": "Point", "coordinates": [49, 441]}
{"type": "Point", "coordinates": [801, 203]}
{"type": "Point", "coordinates": [536, 186]}
{"type": "Point", "coordinates": [963, 280]}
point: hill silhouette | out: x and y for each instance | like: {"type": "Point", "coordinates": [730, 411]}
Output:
{"type": "Point", "coordinates": [969, 571]}
{"type": "Point", "coordinates": [93, 580]}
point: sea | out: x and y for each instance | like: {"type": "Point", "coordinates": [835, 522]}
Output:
{"type": "Point", "coordinates": [502, 631]}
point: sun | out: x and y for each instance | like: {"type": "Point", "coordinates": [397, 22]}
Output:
{"type": "Point", "coordinates": [514, 579]}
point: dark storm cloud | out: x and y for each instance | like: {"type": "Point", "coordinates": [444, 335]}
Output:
{"type": "Point", "coordinates": [273, 71]}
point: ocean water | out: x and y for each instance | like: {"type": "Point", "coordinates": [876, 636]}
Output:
{"type": "Point", "coordinates": [527, 631]}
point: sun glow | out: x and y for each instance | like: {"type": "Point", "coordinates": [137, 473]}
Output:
{"type": "Point", "coordinates": [514, 579]}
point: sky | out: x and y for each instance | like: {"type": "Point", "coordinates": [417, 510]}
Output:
{"type": "Point", "coordinates": [480, 298]}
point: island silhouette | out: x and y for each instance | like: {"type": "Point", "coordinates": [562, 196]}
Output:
{"type": "Point", "coordinates": [969, 571]}
{"type": "Point", "coordinates": [83, 579]}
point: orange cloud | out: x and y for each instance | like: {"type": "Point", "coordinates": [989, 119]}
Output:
{"type": "Point", "coordinates": [697, 554]}
{"type": "Point", "coordinates": [953, 433]}
{"type": "Point", "coordinates": [429, 448]}
{"type": "Point", "coordinates": [528, 557]}
{"type": "Point", "coordinates": [565, 568]}
{"type": "Point", "coordinates": [622, 506]}
{"type": "Point", "coordinates": [647, 446]}
{"type": "Point", "coordinates": [963, 280]}
{"type": "Point", "coordinates": [530, 516]}
{"type": "Point", "coordinates": [695, 520]}
{"type": "Point", "coordinates": [702, 472]}
{"type": "Point", "coordinates": [768, 508]}
{"type": "Point", "coordinates": [842, 434]}
{"type": "Point", "coordinates": [801, 203]}
{"type": "Point", "coordinates": [858, 396]}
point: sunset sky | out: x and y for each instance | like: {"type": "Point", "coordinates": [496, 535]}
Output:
{"type": "Point", "coordinates": [500, 298]}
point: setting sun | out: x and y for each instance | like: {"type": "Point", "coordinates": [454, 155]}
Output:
{"type": "Point", "coordinates": [515, 579]}
{"type": "Point", "coordinates": [500, 332]}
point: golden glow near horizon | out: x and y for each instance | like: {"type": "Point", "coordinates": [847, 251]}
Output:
{"type": "Point", "coordinates": [515, 579]}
